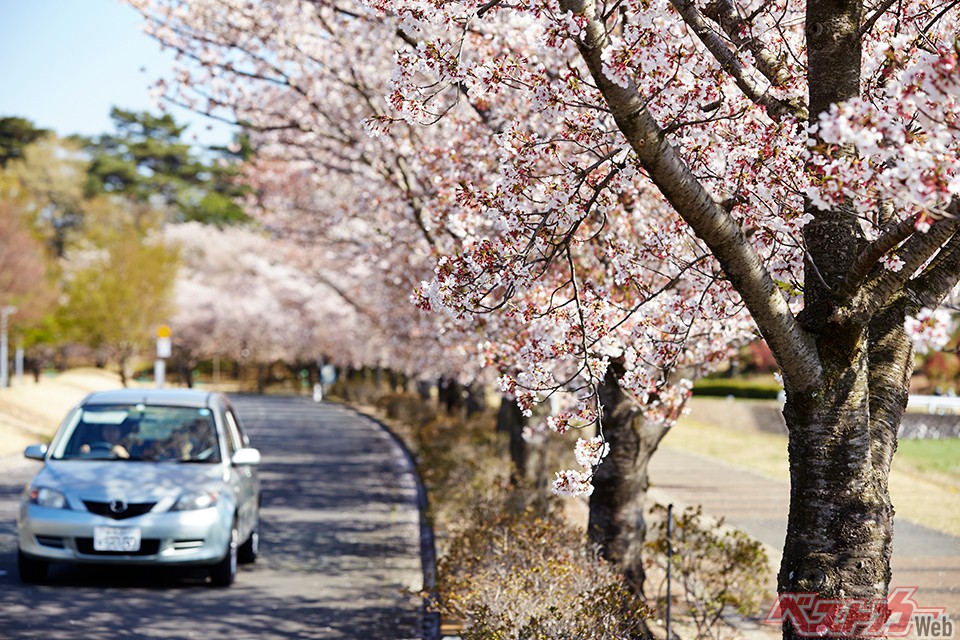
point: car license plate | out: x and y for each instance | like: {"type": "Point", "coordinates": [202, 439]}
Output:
{"type": "Point", "coordinates": [116, 539]}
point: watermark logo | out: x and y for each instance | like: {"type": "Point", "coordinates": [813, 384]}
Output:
{"type": "Point", "coordinates": [898, 616]}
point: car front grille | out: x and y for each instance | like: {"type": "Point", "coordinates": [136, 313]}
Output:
{"type": "Point", "coordinates": [148, 547]}
{"type": "Point", "coordinates": [114, 510]}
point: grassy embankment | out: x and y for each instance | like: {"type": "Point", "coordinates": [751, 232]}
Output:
{"type": "Point", "coordinates": [30, 412]}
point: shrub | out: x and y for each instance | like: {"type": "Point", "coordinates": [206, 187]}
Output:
{"type": "Point", "coordinates": [756, 389]}
{"type": "Point", "coordinates": [718, 568]}
{"type": "Point", "coordinates": [519, 575]}
{"type": "Point", "coordinates": [406, 408]}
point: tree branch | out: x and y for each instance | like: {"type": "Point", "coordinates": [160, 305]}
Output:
{"type": "Point", "coordinates": [942, 274]}
{"type": "Point", "coordinates": [729, 62]}
{"type": "Point", "coordinates": [937, 18]}
{"type": "Point", "coordinates": [794, 349]}
{"type": "Point", "coordinates": [869, 257]}
{"type": "Point", "coordinates": [725, 14]}
{"type": "Point", "coordinates": [872, 20]}
{"type": "Point", "coordinates": [482, 113]}
{"type": "Point", "coordinates": [915, 253]}
{"type": "Point", "coordinates": [935, 283]}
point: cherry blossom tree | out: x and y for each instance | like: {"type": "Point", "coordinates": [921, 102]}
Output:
{"type": "Point", "coordinates": [349, 243]}
{"type": "Point", "coordinates": [236, 298]}
{"type": "Point", "coordinates": [253, 298]}
{"type": "Point", "coordinates": [24, 283]}
{"type": "Point", "coordinates": [623, 184]}
{"type": "Point", "coordinates": [820, 134]}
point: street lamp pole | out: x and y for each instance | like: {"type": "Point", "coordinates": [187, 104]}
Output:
{"type": "Point", "coordinates": [5, 313]}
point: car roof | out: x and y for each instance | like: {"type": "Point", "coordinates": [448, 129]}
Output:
{"type": "Point", "coordinates": [168, 397]}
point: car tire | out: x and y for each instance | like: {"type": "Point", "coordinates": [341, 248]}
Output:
{"type": "Point", "coordinates": [249, 550]}
{"type": "Point", "coordinates": [31, 571]}
{"type": "Point", "coordinates": [224, 572]}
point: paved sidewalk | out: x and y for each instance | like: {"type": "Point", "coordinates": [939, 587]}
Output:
{"type": "Point", "coordinates": [758, 505]}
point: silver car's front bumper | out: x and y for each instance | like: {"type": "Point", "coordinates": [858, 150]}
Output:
{"type": "Point", "coordinates": [199, 537]}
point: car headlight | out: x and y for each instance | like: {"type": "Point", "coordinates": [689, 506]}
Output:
{"type": "Point", "coordinates": [193, 500]}
{"type": "Point", "coordinates": [47, 497]}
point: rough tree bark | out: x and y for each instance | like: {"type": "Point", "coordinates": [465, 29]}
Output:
{"type": "Point", "coordinates": [840, 524]}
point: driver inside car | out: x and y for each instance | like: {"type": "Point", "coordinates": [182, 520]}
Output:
{"type": "Point", "coordinates": [111, 435]}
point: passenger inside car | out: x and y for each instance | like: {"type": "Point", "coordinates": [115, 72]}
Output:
{"type": "Point", "coordinates": [193, 441]}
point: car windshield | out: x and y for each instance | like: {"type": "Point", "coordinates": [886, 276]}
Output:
{"type": "Point", "coordinates": [139, 432]}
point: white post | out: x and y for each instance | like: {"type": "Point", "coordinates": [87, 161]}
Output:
{"type": "Point", "coordinates": [4, 314]}
{"type": "Point", "coordinates": [159, 372]}
{"type": "Point", "coordinates": [18, 365]}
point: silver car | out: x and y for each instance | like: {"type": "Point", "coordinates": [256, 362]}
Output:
{"type": "Point", "coordinates": [143, 477]}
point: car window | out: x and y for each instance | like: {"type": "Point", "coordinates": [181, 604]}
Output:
{"type": "Point", "coordinates": [140, 432]}
{"type": "Point", "coordinates": [235, 439]}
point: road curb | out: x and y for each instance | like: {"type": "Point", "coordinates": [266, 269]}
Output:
{"type": "Point", "coordinates": [428, 549]}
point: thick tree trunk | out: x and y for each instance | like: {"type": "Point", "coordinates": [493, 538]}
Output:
{"type": "Point", "coordinates": [842, 438]}
{"type": "Point", "coordinates": [842, 431]}
{"type": "Point", "coordinates": [476, 398]}
{"type": "Point", "coordinates": [616, 521]}
{"type": "Point", "coordinates": [510, 420]}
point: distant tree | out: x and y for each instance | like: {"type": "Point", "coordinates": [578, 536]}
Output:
{"type": "Point", "coordinates": [23, 269]}
{"type": "Point", "coordinates": [148, 161]}
{"type": "Point", "coordinates": [16, 134]}
{"type": "Point", "coordinates": [236, 298]}
{"type": "Point", "coordinates": [117, 295]}
{"type": "Point", "coordinates": [47, 184]}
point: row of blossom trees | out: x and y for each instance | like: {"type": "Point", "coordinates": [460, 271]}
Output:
{"type": "Point", "coordinates": [243, 296]}
{"type": "Point", "coordinates": [605, 198]}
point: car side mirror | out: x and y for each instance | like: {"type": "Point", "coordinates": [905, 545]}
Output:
{"type": "Point", "coordinates": [247, 456]}
{"type": "Point", "coordinates": [35, 452]}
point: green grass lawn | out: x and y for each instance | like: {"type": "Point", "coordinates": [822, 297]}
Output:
{"type": "Point", "coordinates": [941, 457]}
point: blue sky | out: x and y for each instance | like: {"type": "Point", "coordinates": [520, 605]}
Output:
{"type": "Point", "coordinates": [65, 63]}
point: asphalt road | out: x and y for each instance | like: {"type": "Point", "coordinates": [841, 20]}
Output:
{"type": "Point", "coordinates": [342, 552]}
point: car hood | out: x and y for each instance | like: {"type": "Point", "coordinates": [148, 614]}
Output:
{"type": "Point", "coordinates": [132, 482]}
